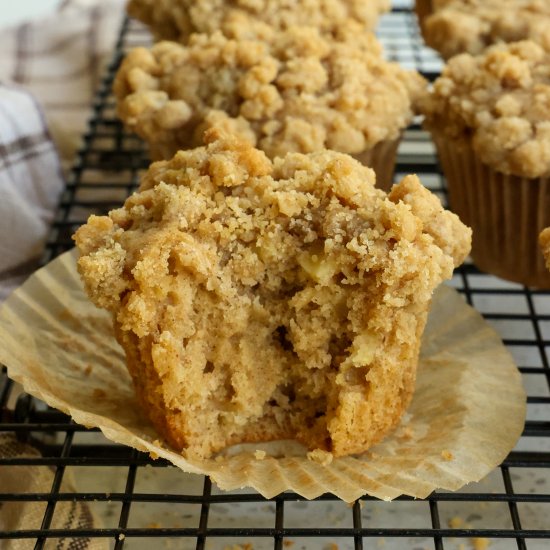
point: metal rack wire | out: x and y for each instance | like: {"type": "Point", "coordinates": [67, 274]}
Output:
{"type": "Point", "coordinates": [147, 503]}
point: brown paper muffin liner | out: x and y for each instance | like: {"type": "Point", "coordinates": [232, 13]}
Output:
{"type": "Point", "coordinates": [422, 8]}
{"type": "Point", "coordinates": [381, 158]}
{"type": "Point", "coordinates": [466, 415]}
{"type": "Point", "coordinates": [505, 212]}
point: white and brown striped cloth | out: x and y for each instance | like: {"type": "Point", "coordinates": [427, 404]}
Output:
{"type": "Point", "coordinates": [49, 71]}
{"type": "Point", "coordinates": [15, 516]}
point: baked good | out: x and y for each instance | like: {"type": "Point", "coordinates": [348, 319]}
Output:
{"type": "Point", "coordinates": [544, 241]}
{"type": "Point", "coordinates": [260, 300]}
{"type": "Point", "coordinates": [302, 92]}
{"type": "Point", "coordinates": [458, 26]}
{"type": "Point", "coordinates": [489, 116]}
{"type": "Point", "coordinates": [178, 19]}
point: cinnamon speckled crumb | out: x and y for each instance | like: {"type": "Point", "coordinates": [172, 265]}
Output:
{"type": "Point", "coordinates": [261, 300]}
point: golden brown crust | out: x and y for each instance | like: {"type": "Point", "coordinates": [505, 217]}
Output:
{"type": "Point", "coordinates": [458, 26]}
{"type": "Point", "coordinates": [259, 300]}
{"type": "Point", "coordinates": [301, 93]}
{"type": "Point", "coordinates": [500, 102]}
{"type": "Point", "coordinates": [178, 19]}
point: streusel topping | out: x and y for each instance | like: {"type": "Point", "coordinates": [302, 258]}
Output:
{"type": "Point", "coordinates": [259, 300]}
{"type": "Point", "coordinates": [459, 26]}
{"type": "Point", "coordinates": [500, 102]}
{"type": "Point", "coordinates": [178, 19]}
{"type": "Point", "coordinates": [301, 93]}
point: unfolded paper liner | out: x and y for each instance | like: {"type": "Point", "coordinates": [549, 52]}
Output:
{"type": "Point", "coordinates": [505, 212]}
{"type": "Point", "coordinates": [466, 415]}
{"type": "Point", "coordinates": [381, 158]}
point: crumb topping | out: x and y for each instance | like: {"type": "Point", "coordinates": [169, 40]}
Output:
{"type": "Point", "coordinates": [300, 93]}
{"type": "Point", "coordinates": [500, 101]}
{"type": "Point", "coordinates": [178, 19]}
{"type": "Point", "coordinates": [270, 299]}
{"type": "Point", "coordinates": [470, 26]}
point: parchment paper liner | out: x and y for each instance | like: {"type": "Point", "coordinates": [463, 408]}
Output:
{"type": "Point", "coordinates": [505, 212]}
{"type": "Point", "coordinates": [467, 413]}
{"type": "Point", "coordinates": [381, 158]}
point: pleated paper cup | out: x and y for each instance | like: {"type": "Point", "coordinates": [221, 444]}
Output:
{"type": "Point", "coordinates": [422, 8]}
{"type": "Point", "coordinates": [381, 158]}
{"type": "Point", "coordinates": [505, 212]}
{"type": "Point", "coordinates": [466, 415]}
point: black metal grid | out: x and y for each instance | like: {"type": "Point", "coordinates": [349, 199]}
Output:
{"type": "Point", "coordinates": [511, 508]}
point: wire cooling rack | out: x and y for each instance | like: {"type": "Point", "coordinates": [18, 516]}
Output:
{"type": "Point", "coordinates": [142, 503]}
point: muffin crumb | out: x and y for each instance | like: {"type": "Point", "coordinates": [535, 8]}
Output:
{"type": "Point", "coordinates": [324, 458]}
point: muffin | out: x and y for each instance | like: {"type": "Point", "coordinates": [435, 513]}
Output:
{"type": "Point", "coordinates": [489, 116]}
{"type": "Point", "coordinates": [260, 300]}
{"type": "Point", "coordinates": [300, 93]}
{"type": "Point", "coordinates": [544, 241]}
{"type": "Point", "coordinates": [178, 19]}
{"type": "Point", "coordinates": [459, 26]}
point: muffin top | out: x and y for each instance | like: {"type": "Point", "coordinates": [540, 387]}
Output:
{"type": "Point", "coordinates": [228, 219]}
{"type": "Point", "coordinates": [471, 25]}
{"type": "Point", "coordinates": [302, 92]}
{"type": "Point", "coordinates": [498, 102]}
{"type": "Point", "coordinates": [178, 19]}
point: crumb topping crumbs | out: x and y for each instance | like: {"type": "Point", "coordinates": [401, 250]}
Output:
{"type": "Point", "coordinates": [500, 101]}
{"type": "Point", "coordinates": [303, 92]}
{"type": "Point", "coordinates": [178, 19]}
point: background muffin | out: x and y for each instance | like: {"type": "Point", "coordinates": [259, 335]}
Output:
{"type": "Point", "coordinates": [300, 93]}
{"type": "Point", "coordinates": [259, 300]}
{"type": "Point", "coordinates": [458, 26]}
{"type": "Point", "coordinates": [178, 19]}
{"type": "Point", "coordinates": [489, 116]}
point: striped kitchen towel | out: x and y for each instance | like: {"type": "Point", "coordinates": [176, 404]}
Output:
{"type": "Point", "coordinates": [49, 71]}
